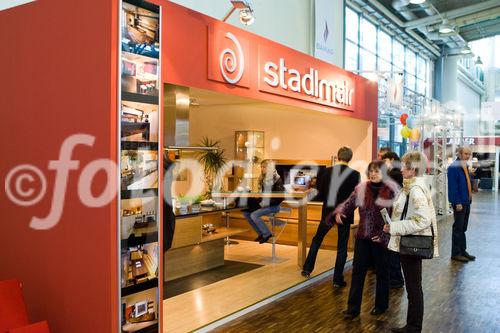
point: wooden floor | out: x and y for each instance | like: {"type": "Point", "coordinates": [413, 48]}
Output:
{"type": "Point", "coordinates": [459, 298]}
{"type": "Point", "coordinates": [191, 310]}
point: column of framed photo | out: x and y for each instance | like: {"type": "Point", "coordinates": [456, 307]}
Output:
{"type": "Point", "coordinates": [139, 166]}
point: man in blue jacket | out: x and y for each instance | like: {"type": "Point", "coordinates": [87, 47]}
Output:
{"type": "Point", "coordinates": [460, 196]}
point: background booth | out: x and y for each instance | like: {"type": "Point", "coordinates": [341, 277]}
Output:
{"type": "Point", "coordinates": [79, 92]}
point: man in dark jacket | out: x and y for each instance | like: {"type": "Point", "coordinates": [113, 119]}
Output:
{"type": "Point", "coordinates": [334, 186]}
{"type": "Point", "coordinates": [460, 197]}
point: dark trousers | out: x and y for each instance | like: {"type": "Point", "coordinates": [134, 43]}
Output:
{"type": "Point", "coordinates": [412, 270]}
{"type": "Point", "coordinates": [396, 277]}
{"type": "Point", "coordinates": [365, 253]}
{"type": "Point", "coordinates": [343, 238]}
{"type": "Point", "coordinates": [458, 241]}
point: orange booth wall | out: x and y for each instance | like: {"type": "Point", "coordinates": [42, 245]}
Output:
{"type": "Point", "coordinates": [59, 76]}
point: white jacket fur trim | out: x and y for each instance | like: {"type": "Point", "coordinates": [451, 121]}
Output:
{"type": "Point", "coordinates": [419, 217]}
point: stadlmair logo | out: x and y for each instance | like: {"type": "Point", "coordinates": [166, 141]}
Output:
{"type": "Point", "coordinates": [232, 61]}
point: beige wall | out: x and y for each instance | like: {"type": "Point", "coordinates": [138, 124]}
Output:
{"type": "Point", "coordinates": [288, 22]}
{"type": "Point", "coordinates": [290, 133]}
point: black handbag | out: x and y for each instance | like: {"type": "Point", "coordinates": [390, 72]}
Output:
{"type": "Point", "coordinates": [416, 246]}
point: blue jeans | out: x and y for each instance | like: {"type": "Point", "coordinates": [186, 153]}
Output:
{"type": "Point", "coordinates": [258, 224]}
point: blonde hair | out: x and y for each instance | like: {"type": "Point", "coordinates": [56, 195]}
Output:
{"type": "Point", "coordinates": [462, 149]}
{"type": "Point", "coordinates": [415, 160]}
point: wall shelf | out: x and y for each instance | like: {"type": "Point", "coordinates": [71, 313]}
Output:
{"type": "Point", "coordinates": [222, 232]}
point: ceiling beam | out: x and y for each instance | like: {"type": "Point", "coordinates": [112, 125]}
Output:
{"type": "Point", "coordinates": [382, 9]}
{"type": "Point", "coordinates": [452, 14]}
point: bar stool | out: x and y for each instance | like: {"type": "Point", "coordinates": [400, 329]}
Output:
{"type": "Point", "coordinates": [275, 222]}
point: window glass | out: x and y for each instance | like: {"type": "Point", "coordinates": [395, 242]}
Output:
{"type": "Point", "coordinates": [421, 68]}
{"type": "Point", "coordinates": [410, 81]}
{"type": "Point", "coordinates": [351, 56]}
{"type": "Point", "coordinates": [421, 87]}
{"type": "Point", "coordinates": [368, 60]}
{"type": "Point", "coordinates": [384, 66]}
{"type": "Point", "coordinates": [368, 35]}
{"type": "Point", "coordinates": [410, 65]}
{"type": "Point", "coordinates": [351, 25]}
{"type": "Point", "coordinates": [384, 46]}
{"type": "Point", "coordinates": [399, 55]}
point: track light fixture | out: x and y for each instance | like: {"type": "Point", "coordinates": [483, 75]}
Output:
{"type": "Point", "coordinates": [246, 11]}
{"type": "Point", "coordinates": [445, 27]}
{"type": "Point", "coordinates": [466, 50]}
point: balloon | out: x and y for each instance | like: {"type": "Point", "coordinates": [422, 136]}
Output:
{"type": "Point", "coordinates": [405, 132]}
{"type": "Point", "coordinates": [411, 122]}
{"type": "Point", "coordinates": [403, 118]}
{"type": "Point", "coordinates": [415, 135]}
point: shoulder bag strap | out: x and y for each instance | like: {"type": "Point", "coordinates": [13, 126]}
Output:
{"type": "Point", "coordinates": [405, 209]}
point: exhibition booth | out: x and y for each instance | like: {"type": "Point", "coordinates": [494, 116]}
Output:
{"type": "Point", "coordinates": [258, 100]}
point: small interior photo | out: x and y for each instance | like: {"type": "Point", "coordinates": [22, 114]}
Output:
{"type": "Point", "coordinates": [139, 310]}
{"type": "Point", "coordinates": [139, 264]}
{"type": "Point", "coordinates": [139, 74]}
{"type": "Point", "coordinates": [140, 31]}
{"type": "Point", "coordinates": [138, 216]}
{"type": "Point", "coordinates": [139, 122]}
{"type": "Point", "coordinates": [139, 169]}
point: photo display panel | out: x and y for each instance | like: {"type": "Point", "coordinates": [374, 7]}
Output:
{"type": "Point", "coordinates": [139, 103]}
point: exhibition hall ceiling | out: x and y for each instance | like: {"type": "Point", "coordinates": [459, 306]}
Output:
{"type": "Point", "coordinates": [472, 19]}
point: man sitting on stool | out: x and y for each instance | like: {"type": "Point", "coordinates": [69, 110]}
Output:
{"type": "Point", "coordinates": [334, 187]}
{"type": "Point", "coordinates": [269, 181]}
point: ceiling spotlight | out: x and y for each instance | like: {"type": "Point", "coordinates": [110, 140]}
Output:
{"type": "Point", "coordinates": [246, 16]}
{"type": "Point", "coordinates": [417, 2]}
{"type": "Point", "coordinates": [465, 50]}
{"type": "Point", "coordinates": [246, 11]}
{"type": "Point", "coordinates": [445, 27]}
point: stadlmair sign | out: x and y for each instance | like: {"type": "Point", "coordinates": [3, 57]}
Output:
{"type": "Point", "coordinates": [309, 83]}
{"type": "Point", "coordinates": [281, 71]}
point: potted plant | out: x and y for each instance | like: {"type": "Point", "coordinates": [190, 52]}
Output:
{"type": "Point", "coordinates": [196, 206]}
{"type": "Point", "coordinates": [183, 201]}
{"type": "Point", "coordinates": [213, 160]}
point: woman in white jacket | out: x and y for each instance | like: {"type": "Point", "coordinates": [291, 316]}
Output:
{"type": "Point", "coordinates": [419, 220]}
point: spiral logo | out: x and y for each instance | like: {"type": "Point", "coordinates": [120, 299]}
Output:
{"type": "Point", "coordinates": [25, 185]}
{"type": "Point", "coordinates": [229, 62]}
